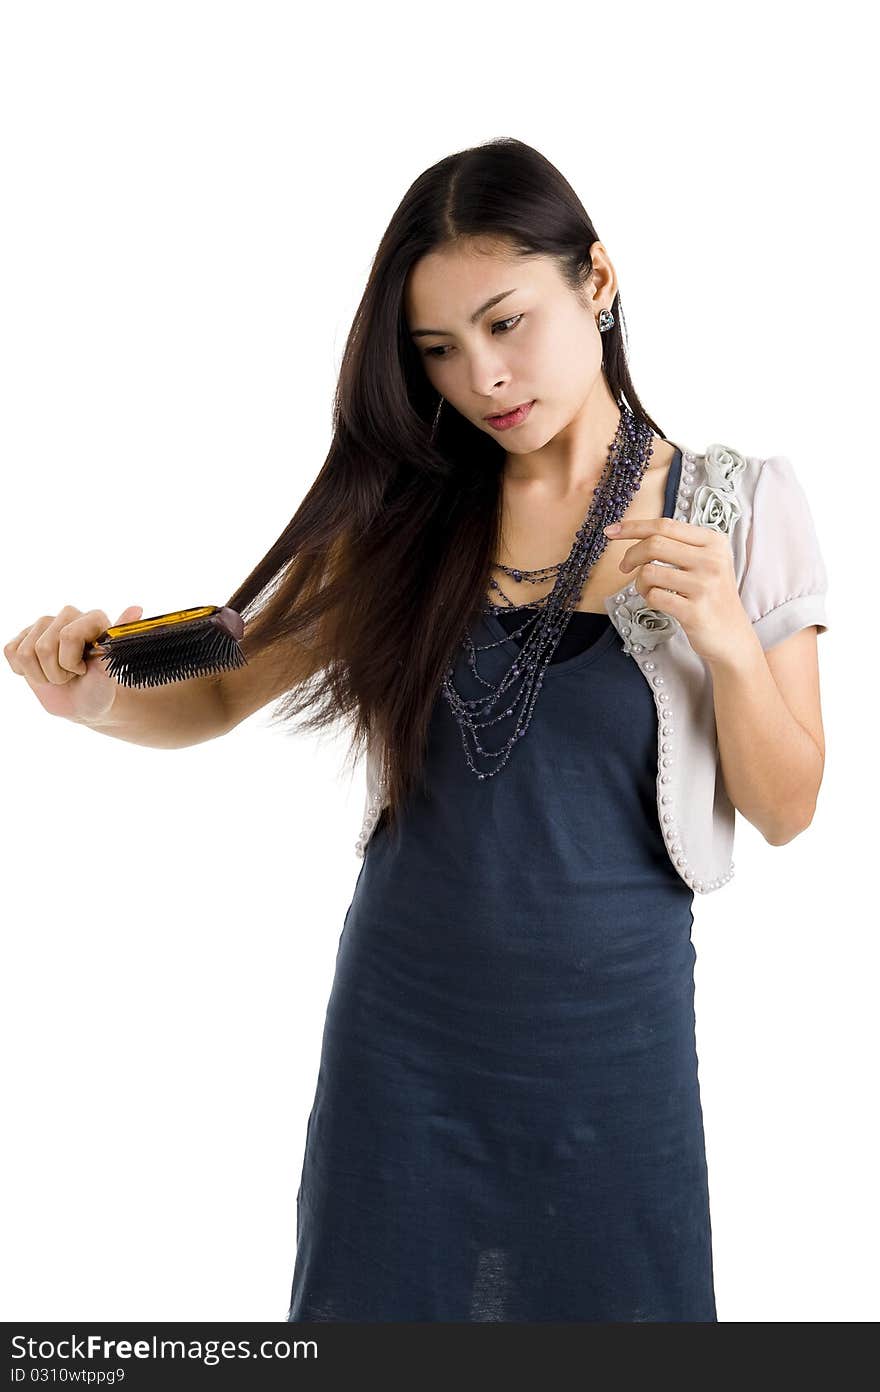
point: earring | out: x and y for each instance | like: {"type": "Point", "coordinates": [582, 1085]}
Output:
{"type": "Point", "coordinates": [436, 419]}
{"type": "Point", "coordinates": [606, 320]}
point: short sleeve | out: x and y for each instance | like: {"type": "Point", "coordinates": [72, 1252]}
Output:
{"type": "Point", "coordinates": [785, 582]}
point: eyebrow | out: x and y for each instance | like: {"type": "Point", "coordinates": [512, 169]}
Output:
{"type": "Point", "coordinates": [423, 333]}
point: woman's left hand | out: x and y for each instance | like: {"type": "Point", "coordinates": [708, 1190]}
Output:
{"type": "Point", "coordinates": [701, 592]}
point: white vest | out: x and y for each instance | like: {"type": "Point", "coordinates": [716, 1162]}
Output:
{"type": "Point", "coordinates": [782, 582]}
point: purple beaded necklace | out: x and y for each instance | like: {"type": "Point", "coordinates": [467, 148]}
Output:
{"type": "Point", "coordinates": [628, 459]}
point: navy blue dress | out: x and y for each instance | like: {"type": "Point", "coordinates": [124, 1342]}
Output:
{"type": "Point", "coordinates": [507, 1122]}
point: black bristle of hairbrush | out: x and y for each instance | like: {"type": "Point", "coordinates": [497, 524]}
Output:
{"type": "Point", "coordinates": [191, 650]}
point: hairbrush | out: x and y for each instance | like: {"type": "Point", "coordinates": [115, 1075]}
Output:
{"type": "Point", "coordinates": [172, 647]}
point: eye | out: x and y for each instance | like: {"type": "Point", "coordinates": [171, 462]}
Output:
{"type": "Point", "coordinates": [439, 352]}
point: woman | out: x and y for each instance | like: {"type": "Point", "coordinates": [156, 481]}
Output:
{"type": "Point", "coordinates": [507, 1121]}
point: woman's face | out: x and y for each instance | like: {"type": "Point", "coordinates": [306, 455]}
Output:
{"type": "Point", "coordinates": [536, 343]}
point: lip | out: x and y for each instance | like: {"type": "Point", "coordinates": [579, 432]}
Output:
{"type": "Point", "coordinates": [506, 419]}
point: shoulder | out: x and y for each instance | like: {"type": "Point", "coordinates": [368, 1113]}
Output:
{"type": "Point", "coordinates": [750, 498]}
{"type": "Point", "coordinates": [763, 505]}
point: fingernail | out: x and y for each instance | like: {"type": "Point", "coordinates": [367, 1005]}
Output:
{"type": "Point", "coordinates": [612, 527]}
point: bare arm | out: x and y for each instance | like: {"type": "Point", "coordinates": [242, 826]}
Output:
{"type": "Point", "coordinates": [164, 717]}
{"type": "Point", "coordinates": [770, 736]}
{"type": "Point", "coordinates": [49, 654]}
{"type": "Point", "coordinates": [190, 712]}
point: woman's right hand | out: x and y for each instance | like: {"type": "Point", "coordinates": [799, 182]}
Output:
{"type": "Point", "coordinates": [49, 655]}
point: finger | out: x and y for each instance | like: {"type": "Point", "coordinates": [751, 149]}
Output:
{"type": "Point", "coordinates": [59, 667]}
{"type": "Point", "coordinates": [672, 527]}
{"type": "Point", "coordinates": [73, 637]}
{"type": "Point", "coordinates": [89, 629]}
{"type": "Point", "coordinates": [27, 658]}
{"type": "Point", "coordinates": [660, 548]}
{"type": "Point", "coordinates": [668, 578]}
{"type": "Point", "coordinates": [134, 611]}
{"type": "Point", "coordinates": [665, 556]}
{"type": "Point", "coordinates": [99, 622]}
{"type": "Point", "coordinates": [10, 650]}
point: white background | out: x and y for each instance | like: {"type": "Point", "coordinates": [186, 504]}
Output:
{"type": "Point", "coordinates": [192, 195]}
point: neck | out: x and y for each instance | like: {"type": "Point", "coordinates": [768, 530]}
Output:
{"type": "Point", "coordinates": [574, 460]}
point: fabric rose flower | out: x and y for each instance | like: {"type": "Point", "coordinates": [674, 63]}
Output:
{"type": "Point", "coordinates": [715, 507]}
{"type": "Point", "coordinates": [723, 467]}
{"type": "Point", "coordinates": [647, 626]}
{"type": "Point", "coordinates": [715, 502]}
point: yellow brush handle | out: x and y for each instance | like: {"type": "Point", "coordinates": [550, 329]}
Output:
{"type": "Point", "coordinates": [145, 625]}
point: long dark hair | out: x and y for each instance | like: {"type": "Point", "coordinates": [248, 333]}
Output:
{"type": "Point", "coordinates": [365, 596]}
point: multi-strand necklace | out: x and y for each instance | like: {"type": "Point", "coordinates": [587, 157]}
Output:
{"type": "Point", "coordinates": [628, 459]}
